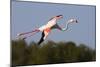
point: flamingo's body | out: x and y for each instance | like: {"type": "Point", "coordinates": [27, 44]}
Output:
{"type": "Point", "coordinates": [52, 24]}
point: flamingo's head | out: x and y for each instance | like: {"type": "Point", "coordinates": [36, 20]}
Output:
{"type": "Point", "coordinates": [73, 20]}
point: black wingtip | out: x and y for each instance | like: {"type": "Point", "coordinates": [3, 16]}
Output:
{"type": "Point", "coordinates": [40, 42]}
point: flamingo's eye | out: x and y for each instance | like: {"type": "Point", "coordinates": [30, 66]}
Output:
{"type": "Point", "coordinates": [72, 21]}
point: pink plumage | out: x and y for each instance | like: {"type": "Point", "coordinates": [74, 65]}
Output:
{"type": "Point", "coordinates": [45, 29]}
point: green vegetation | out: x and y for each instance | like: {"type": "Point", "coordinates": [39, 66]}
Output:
{"type": "Point", "coordinates": [49, 53]}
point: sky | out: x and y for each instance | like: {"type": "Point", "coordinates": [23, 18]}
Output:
{"type": "Point", "coordinates": [26, 16]}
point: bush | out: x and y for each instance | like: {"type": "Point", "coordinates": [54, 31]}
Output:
{"type": "Point", "coordinates": [49, 53]}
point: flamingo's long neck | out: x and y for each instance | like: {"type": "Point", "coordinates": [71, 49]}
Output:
{"type": "Point", "coordinates": [66, 27]}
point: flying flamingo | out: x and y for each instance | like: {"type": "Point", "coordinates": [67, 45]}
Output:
{"type": "Point", "coordinates": [52, 24]}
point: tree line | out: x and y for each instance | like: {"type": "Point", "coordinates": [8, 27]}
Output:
{"type": "Point", "coordinates": [49, 53]}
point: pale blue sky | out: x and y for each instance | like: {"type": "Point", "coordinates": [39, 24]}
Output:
{"type": "Point", "coordinates": [28, 15]}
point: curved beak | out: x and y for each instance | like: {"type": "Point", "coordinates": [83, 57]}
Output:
{"type": "Point", "coordinates": [76, 21]}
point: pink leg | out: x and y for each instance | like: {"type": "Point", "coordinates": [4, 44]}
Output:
{"type": "Point", "coordinates": [30, 35]}
{"type": "Point", "coordinates": [36, 30]}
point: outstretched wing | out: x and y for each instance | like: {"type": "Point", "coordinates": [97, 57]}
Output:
{"type": "Point", "coordinates": [45, 33]}
{"type": "Point", "coordinates": [56, 27]}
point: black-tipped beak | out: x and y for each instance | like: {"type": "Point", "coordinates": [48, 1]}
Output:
{"type": "Point", "coordinates": [76, 21]}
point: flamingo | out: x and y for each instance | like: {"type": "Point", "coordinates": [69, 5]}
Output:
{"type": "Point", "coordinates": [46, 29]}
